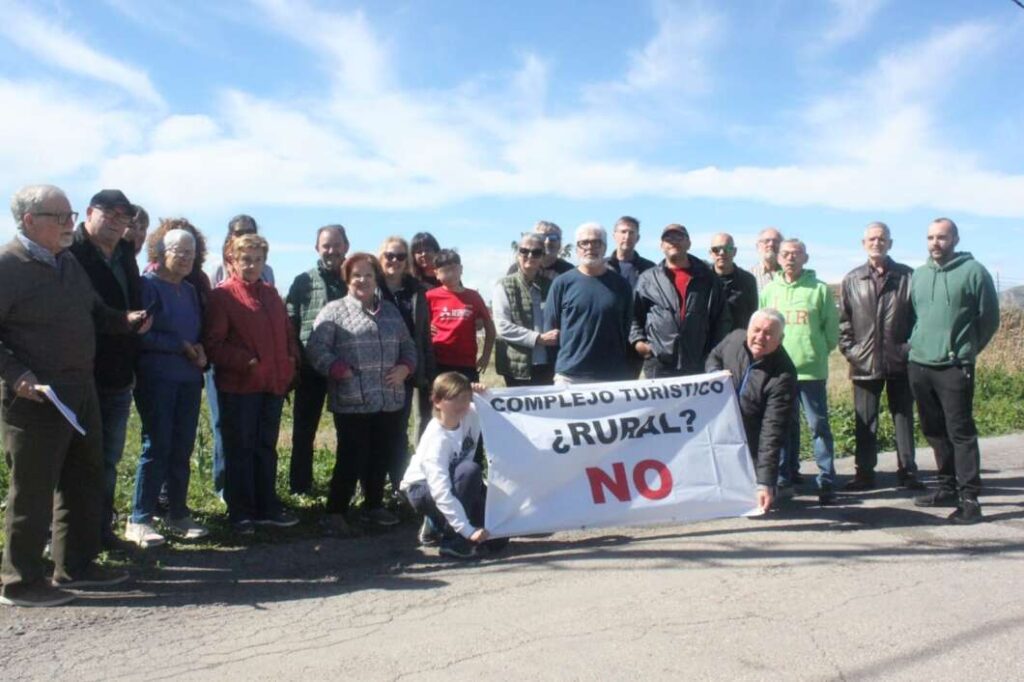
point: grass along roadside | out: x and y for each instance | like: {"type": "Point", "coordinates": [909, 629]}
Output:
{"type": "Point", "coordinates": [999, 409]}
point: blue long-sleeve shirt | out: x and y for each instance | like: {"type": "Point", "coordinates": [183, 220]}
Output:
{"type": "Point", "coordinates": [592, 315]}
{"type": "Point", "coordinates": [177, 319]}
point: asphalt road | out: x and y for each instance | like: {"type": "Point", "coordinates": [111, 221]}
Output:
{"type": "Point", "coordinates": [875, 588]}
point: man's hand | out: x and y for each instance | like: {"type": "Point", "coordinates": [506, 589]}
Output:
{"type": "Point", "coordinates": [548, 338]}
{"type": "Point", "coordinates": [764, 499]}
{"type": "Point", "coordinates": [643, 349]}
{"type": "Point", "coordinates": [481, 364]}
{"type": "Point", "coordinates": [479, 535]}
{"type": "Point", "coordinates": [200, 359]}
{"type": "Point", "coordinates": [396, 376]}
{"type": "Point", "coordinates": [26, 388]}
{"type": "Point", "coordinates": [140, 321]}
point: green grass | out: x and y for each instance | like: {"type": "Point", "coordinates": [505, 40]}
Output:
{"type": "Point", "coordinates": [998, 399]}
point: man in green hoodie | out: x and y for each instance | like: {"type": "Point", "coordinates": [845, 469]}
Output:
{"type": "Point", "coordinates": [957, 315]}
{"type": "Point", "coordinates": [812, 331]}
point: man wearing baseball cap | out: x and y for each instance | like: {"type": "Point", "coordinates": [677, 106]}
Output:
{"type": "Point", "coordinates": [109, 260]}
{"type": "Point", "coordinates": [679, 310]}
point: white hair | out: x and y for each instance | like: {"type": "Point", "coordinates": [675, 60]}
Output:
{"type": "Point", "coordinates": [771, 314]}
{"type": "Point", "coordinates": [591, 229]}
{"type": "Point", "coordinates": [31, 198]}
{"type": "Point", "coordinates": [172, 238]}
{"type": "Point", "coordinates": [880, 225]}
{"type": "Point", "coordinates": [532, 238]}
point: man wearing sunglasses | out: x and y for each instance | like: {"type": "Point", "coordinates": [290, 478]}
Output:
{"type": "Point", "coordinates": [679, 310]}
{"type": "Point", "coordinates": [551, 263]}
{"type": "Point", "coordinates": [522, 353]}
{"type": "Point", "coordinates": [309, 293]}
{"type": "Point", "coordinates": [739, 285]}
{"type": "Point", "coordinates": [108, 257]}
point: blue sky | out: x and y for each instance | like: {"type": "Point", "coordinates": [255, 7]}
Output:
{"type": "Point", "coordinates": [474, 120]}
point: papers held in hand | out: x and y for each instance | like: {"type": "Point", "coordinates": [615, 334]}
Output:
{"type": "Point", "coordinates": [51, 395]}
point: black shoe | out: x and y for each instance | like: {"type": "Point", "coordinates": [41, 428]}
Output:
{"type": "Point", "coordinates": [495, 545]}
{"type": "Point", "coordinates": [911, 482]}
{"type": "Point", "coordinates": [457, 547]}
{"type": "Point", "coordinates": [938, 498]}
{"type": "Point", "coordinates": [968, 513]}
{"type": "Point", "coordinates": [244, 527]}
{"type": "Point", "coordinates": [94, 575]}
{"type": "Point", "coordinates": [827, 498]}
{"type": "Point", "coordinates": [798, 479]}
{"type": "Point", "coordinates": [279, 519]}
{"type": "Point", "coordinates": [860, 483]}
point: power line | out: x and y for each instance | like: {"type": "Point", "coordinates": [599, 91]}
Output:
{"type": "Point", "coordinates": [1019, 3]}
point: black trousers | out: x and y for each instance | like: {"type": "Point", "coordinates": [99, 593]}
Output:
{"type": "Point", "coordinates": [945, 397]}
{"type": "Point", "coordinates": [366, 448]}
{"type": "Point", "coordinates": [307, 407]}
{"type": "Point", "coordinates": [540, 375]}
{"type": "Point", "coordinates": [866, 402]}
{"type": "Point", "coordinates": [56, 475]}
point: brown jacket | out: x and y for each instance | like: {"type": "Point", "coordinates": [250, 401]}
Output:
{"type": "Point", "coordinates": [874, 327]}
{"type": "Point", "coordinates": [48, 319]}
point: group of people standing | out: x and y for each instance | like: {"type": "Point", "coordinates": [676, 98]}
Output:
{"type": "Point", "coordinates": [372, 334]}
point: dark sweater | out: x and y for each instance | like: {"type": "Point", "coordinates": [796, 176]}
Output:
{"type": "Point", "coordinates": [592, 315]}
{"type": "Point", "coordinates": [115, 353]}
{"type": "Point", "coordinates": [48, 319]}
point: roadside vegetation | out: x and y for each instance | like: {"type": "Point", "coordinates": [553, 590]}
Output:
{"type": "Point", "coordinates": [999, 408]}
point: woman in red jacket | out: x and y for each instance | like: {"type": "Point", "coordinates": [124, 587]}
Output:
{"type": "Point", "coordinates": [251, 345]}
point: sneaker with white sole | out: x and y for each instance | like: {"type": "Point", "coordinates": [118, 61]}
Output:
{"type": "Point", "coordinates": [281, 519]}
{"type": "Point", "coordinates": [143, 535]}
{"type": "Point", "coordinates": [186, 527]}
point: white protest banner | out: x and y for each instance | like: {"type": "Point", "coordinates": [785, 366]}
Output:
{"type": "Point", "coordinates": [621, 453]}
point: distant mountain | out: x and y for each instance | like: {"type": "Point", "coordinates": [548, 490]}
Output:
{"type": "Point", "coordinates": [1013, 298]}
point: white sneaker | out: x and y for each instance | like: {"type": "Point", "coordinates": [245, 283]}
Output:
{"type": "Point", "coordinates": [186, 528]}
{"type": "Point", "coordinates": [143, 535]}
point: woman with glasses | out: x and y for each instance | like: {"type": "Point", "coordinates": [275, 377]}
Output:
{"type": "Point", "coordinates": [522, 353]}
{"type": "Point", "coordinates": [424, 248]}
{"type": "Point", "coordinates": [169, 388]}
{"type": "Point", "coordinates": [363, 347]}
{"type": "Point", "coordinates": [255, 357]}
{"type": "Point", "coordinates": [409, 296]}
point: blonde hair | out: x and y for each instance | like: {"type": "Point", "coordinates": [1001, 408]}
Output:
{"type": "Point", "coordinates": [395, 239]}
{"type": "Point", "coordinates": [245, 242]}
{"type": "Point", "coordinates": [448, 386]}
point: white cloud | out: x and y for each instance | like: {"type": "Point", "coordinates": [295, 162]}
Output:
{"type": "Point", "coordinates": [852, 18]}
{"type": "Point", "coordinates": [51, 44]}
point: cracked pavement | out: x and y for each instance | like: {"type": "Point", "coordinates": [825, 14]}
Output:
{"type": "Point", "coordinates": [875, 588]}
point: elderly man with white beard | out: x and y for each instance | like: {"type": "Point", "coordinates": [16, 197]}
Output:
{"type": "Point", "coordinates": [591, 307]}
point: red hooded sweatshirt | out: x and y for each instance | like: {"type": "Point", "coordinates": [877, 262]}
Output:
{"type": "Point", "coordinates": [245, 322]}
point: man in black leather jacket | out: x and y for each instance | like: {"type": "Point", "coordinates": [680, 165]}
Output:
{"type": "Point", "coordinates": [679, 310]}
{"type": "Point", "coordinates": [875, 320]}
{"type": "Point", "coordinates": [765, 382]}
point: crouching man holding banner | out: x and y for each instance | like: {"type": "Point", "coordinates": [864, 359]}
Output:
{"type": "Point", "coordinates": [610, 454]}
{"type": "Point", "coordinates": [765, 382]}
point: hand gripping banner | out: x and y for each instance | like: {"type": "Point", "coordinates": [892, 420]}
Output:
{"type": "Point", "coordinates": [612, 454]}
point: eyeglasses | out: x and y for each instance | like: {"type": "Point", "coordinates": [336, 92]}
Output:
{"type": "Point", "coordinates": [531, 253]}
{"type": "Point", "coordinates": [61, 218]}
{"type": "Point", "coordinates": [182, 253]}
{"type": "Point", "coordinates": [589, 243]}
{"type": "Point", "coordinates": [722, 249]}
{"type": "Point", "coordinates": [400, 257]}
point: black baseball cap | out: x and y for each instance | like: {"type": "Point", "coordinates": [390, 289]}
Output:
{"type": "Point", "coordinates": [112, 198]}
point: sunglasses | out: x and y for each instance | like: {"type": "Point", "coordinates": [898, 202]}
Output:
{"type": "Point", "coordinates": [721, 249]}
{"type": "Point", "coordinates": [531, 253]}
{"type": "Point", "coordinates": [395, 256]}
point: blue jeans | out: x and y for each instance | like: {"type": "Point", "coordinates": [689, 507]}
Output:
{"type": "Point", "coordinates": [115, 406]}
{"type": "Point", "coordinates": [814, 399]}
{"type": "Point", "coordinates": [170, 417]}
{"type": "Point", "coordinates": [218, 443]}
{"type": "Point", "coordinates": [251, 423]}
